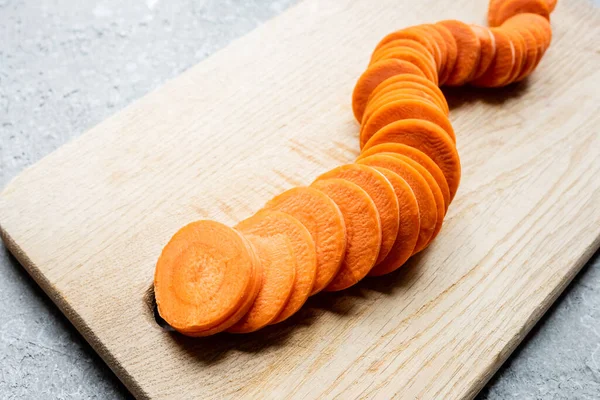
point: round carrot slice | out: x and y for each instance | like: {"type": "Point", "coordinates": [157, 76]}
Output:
{"type": "Point", "coordinates": [419, 186]}
{"type": "Point", "coordinates": [501, 67]}
{"type": "Point", "coordinates": [402, 43]}
{"type": "Point", "coordinates": [363, 230]}
{"type": "Point", "coordinates": [437, 52]}
{"type": "Point", "coordinates": [411, 33]}
{"type": "Point", "coordinates": [509, 8]}
{"type": "Point", "coordinates": [399, 94]}
{"type": "Point", "coordinates": [381, 192]}
{"type": "Point", "coordinates": [373, 76]}
{"type": "Point", "coordinates": [488, 49]}
{"type": "Point", "coordinates": [409, 88]}
{"type": "Point", "coordinates": [520, 52]}
{"type": "Point", "coordinates": [551, 4]}
{"type": "Point", "coordinates": [267, 223]}
{"type": "Point", "coordinates": [204, 275]}
{"type": "Point", "coordinates": [418, 156]}
{"type": "Point", "coordinates": [536, 25]}
{"type": "Point", "coordinates": [428, 138]}
{"type": "Point", "coordinates": [439, 42]}
{"type": "Point", "coordinates": [404, 109]}
{"type": "Point", "coordinates": [435, 190]}
{"type": "Point", "coordinates": [469, 51]}
{"type": "Point", "coordinates": [409, 80]}
{"type": "Point", "coordinates": [451, 53]}
{"type": "Point", "coordinates": [279, 274]}
{"type": "Point", "coordinates": [324, 220]}
{"type": "Point", "coordinates": [492, 15]}
{"type": "Point", "coordinates": [408, 229]}
{"type": "Point", "coordinates": [531, 53]}
{"type": "Point", "coordinates": [414, 57]}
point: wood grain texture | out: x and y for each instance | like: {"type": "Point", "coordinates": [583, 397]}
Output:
{"type": "Point", "coordinates": [271, 111]}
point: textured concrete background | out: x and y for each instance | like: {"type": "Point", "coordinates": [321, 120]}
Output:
{"type": "Point", "coordinates": [65, 65]}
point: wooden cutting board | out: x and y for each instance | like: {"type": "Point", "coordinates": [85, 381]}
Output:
{"type": "Point", "coordinates": [271, 111]}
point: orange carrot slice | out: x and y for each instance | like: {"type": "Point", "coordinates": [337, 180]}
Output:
{"type": "Point", "coordinates": [411, 33]}
{"type": "Point", "coordinates": [381, 192]}
{"type": "Point", "coordinates": [439, 43]}
{"type": "Point", "coordinates": [267, 223]}
{"type": "Point", "coordinates": [324, 220]}
{"type": "Point", "coordinates": [509, 8]}
{"type": "Point", "coordinates": [451, 53]}
{"type": "Point", "coordinates": [533, 47]}
{"type": "Point", "coordinates": [428, 138]}
{"type": "Point", "coordinates": [404, 109]}
{"type": "Point", "coordinates": [418, 156]}
{"type": "Point", "coordinates": [409, 88]}
{"type": "Point", "coordinates": [407, 54]}
{"type": "Point", "coordinates": [488, 49]}
{"type": "Point", "coordinates": [206, 276]}
{"type": "Point", "coordinates": [551, 4]}
{"type": "Point", "coordinates": [402, 43]}
{"type": "Point", "coordinates": [520, 53]}
{"type": "Point", "coordinates": [419, 186]}
{"type": "Point", "coordinates": [536, 25]}
{"type": "Point", "coordinates": [363, 230]}
{"type": "Point", "coordinates": [408, 230]}
{"type": "Point", "coordinates": [373, 76]}
{"type": "Point", "coordinates": [395, 95]}
{"type": "Point", "coordinates": [501, 67]}
{"type": "Point", "coordinates": [279, 273]}
{"type": "Point", "coordinates": [469, 51]}
{"type": "Point", "coordinates": [408, 80]}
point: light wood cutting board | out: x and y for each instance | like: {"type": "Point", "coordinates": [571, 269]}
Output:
{"type": "Point", "coordinates": [271, 111]}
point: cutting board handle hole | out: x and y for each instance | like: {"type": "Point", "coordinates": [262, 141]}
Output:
{"type": "Point", "coordinates": [152, 310]}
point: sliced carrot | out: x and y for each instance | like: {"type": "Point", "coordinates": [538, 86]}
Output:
{"type": "Point", "coordinates": [437, 51]}
{"type": "Point", "coordinates": [469, 51]}
{"type": "Point", "coordinates": [381, 192]}
{"type": "Point", "coordinates": [404, 109]}
{"type": "Point", "coordinates": [435, 190]}
{"type": "Point", "coordinates": [409, 80]}
{"type": "Point", "coordinates": [520, 53]}
{"type": "Point", "coordinates": [551, 4]}
{"type": "Point", "coordinates": [279, 273]}
{"type": "Point", "coordinates": [410, 88]}
{"type": "Point", "coordinates": [373, 76]}
{"type": "Point", "coordinates": [402, 43]}
{"type": "Point", "coordinates": [501, 67]}
{"type": "Point", "coordinates": [411, 33]}
{"type": "Point", "coordinates": [412, 56]}
{"type": "Point", "coordinates": [419, 186]}
{"type": "Point", "coordinates": [492, 15]}
{"type": "Point", "coordinates": [395, 95]}
{"type": "Point", "coordinates": [509, 8]}
{"type": "Point", "coordinates": [439, 42]}
{"type": "Point", "coordinates": [408, 230]}
{"type": "Point", "coordinates": [538, 26]}
{"type": "Point", "coordinates": [324, 220]}
{"type": "Point", "coordinates": [418, 156]}
{"type": "Point", "coordinates": [206, 276]}
{"type": "Point", "coordinates": [488, 49]}
{"type": "Point", "coordinates": [267, 223]}
{"type": "Point", "coordinates": [363, 230]}
{"type": "Point", "coordinates": [451, 53]}
{"type": "Point", "coordinates": [428, 138]}
{"type": "Point", "coordinates": [531, 53]}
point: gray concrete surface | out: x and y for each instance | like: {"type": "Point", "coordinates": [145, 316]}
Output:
{"type": "Point", "coordinates": [65, 65]}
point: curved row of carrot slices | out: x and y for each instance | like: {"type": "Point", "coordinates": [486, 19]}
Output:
{"type": "Point", "coordinates": [365, 218]}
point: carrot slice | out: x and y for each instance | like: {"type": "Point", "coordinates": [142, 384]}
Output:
{"type": "Point", "coordinates": [408, 230]}
{"type": "Point", "coordinates": [469, 51]}
{"type": "Point", "coordinates": [279, 273]}
{"type": "Point", "coordinates": [205, 276]}
{"type": "Point", "coordinates": [428, 138]}
{"type": "Point", "coordinates": [409, 80]}
{"type": "Point", "coordinates": [403, 109]}
{"type": "Point", "coordinates": [501, 67]}
{"type": "Point", "coordinates": [399, 94]}
{"type": "Point", "coordinates": [435, 190]}
{"type": "Point", "coordinates": [363, 230]}
{"type": "Point", "coordinates": [418, 156]}
{"type": "Point", "coordinates": [439, 42]}
{"type": "Point", "coordinates": [531, 53]}
{"type": "Point", "coordinates": [536, 25]}
{"type": "Point", "coordinates": [551, 4]}
{"type": "Point", "coordinates": [402, 43]}
{"type": "Point", "coordinates": [419, 186]}
{"type": "Point", "coordinates": [381, 192]}
{"type": "Point", "coordinates": [451, 53]}
{"type": "Point", "coordinates": [267, 223]}
{"type": "Point", "coordinates": [492, 15]}
{"type": "Point", "coordinates": [373, 76]}
{"type": "Point", "coordinates": [411, 33]}
{"type": "Point", "coordinates": [488, 49]}
{"type": "Point", "coordinates": [509, 8]}
{"type": "Point", "coordinates": [410, 88]}
{"type": "Point", "coordinates": [520, 53]}
{"type": "Point", "coordinates": [437, 51]}
{"type": "Point", "coordinates": [407, 54]}
{"type": "Point", "coordinates": [324, 220]}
